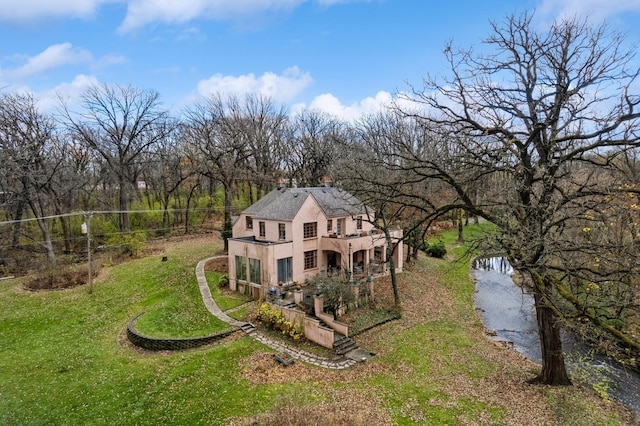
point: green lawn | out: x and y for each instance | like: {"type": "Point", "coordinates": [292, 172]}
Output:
{"type": "Point", "coordinates": [228, 300]}
{"type": "Point", "coordinates": [64, 362]}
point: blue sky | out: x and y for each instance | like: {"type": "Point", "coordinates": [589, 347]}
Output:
{"type": "Point", "coordinates": [346, 57]}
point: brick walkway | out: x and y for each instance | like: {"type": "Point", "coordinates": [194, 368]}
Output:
{"type": "Point", "coordinates": [250, 330]}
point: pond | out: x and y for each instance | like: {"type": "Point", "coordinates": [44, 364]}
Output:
{"type": "Point", "coordinates": [508, 314]}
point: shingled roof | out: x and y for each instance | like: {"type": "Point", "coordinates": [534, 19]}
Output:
{"type": "Point", "coordinates": [284, 204]}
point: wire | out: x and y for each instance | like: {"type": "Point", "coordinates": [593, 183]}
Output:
{"type": "Point", "coordinates": [31, 219]}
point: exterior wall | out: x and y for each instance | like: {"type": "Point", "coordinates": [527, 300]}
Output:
{"type": "Point", "coordinates": [268, 255]}
{"type": "Point", "coordinates": [318, 311]}
{"type": "Point", "coordinates": [272, 229]}
{"type": "Point", "coordinates": [311, 327]}
{"type": "Point", "coordinates": [239, 228]}
{"type": "Point", "coordinates": [316, 333]}
{"type": "Point", "coordinates": [309, 212]}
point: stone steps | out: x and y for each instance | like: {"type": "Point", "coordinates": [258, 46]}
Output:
{"type": "Point", "coordinates": [248, 328]}
{"type": "Point", "coordinates": [343, 345]}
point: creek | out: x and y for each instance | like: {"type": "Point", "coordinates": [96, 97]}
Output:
{"type": "Point", "coordinates": [508, 314]}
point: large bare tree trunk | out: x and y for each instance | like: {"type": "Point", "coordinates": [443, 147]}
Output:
{"type": "Point", "coordinates": [392, 267]}
{"type": "Point", "coordinates": [17, 225]}
{"type": "Point", "coordinates": [554, 371]}
{"type": "Point", "coordinates": [66, 233]}
{"type": "Point", "coordinates": [187, 217]}
{"type": "Point", "coordinates": [47, 243]}
{"type": "Point", "coordinates": [124, 206]}
{"type": "Point", "coordinates": [226, 224]}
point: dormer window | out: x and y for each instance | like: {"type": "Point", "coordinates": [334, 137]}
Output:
{"type": "Point", "coordinates": [249, 222]}
{"type": "Point", "coordinates": [263, 229]}
{"type": "Point", "coordinates": [359, 223]}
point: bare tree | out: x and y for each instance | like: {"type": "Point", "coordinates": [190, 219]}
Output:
{"type": "Point", "coordinates": [121, 124]}
{"type": "Point", "coordinates": [313, 146]}
{"type": "Point", "coordinates": [71, 182]}
{"type": "Point", "coordinates": [170, 167]}
{"type": "Point", "coordinates": [378, 172]}
{"type": "Point", "coordinates": [263, 123]}
{"type": "Point", "coordinates": [29, 160]}
{"type": "Point", "coordinates": [215, 129]}
{"type": "Point", "coordinates": [546, 114]}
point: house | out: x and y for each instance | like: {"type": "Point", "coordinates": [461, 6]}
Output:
{"type": "Point", "coordinates": [294, 234]}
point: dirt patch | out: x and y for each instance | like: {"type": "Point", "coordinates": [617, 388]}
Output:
{"type": "Point", "coordinates": [218, 264]}
{"type": "Point", "coordinates": [341, 407]}
{"type": "Point", "coordinates": [351, 407]}
{"type": "Point", "coordinates": [61, 278]}
{"type": "Point", "coordinates": [264, 368]}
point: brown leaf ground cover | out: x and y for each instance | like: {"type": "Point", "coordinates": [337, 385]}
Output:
{"type": "Point", "coordinates": [415, 377]}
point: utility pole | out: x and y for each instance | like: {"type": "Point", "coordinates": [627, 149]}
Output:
{"type": "Point", "coordinates": [86, 229]}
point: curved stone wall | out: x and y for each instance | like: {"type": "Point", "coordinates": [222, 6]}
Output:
{"type": "Point", "coordinates": [169, 344]}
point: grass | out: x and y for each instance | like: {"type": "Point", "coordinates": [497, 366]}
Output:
{"type": "Point", "coordinates": [64, 361]}
{"type": "Point", "coordinates": [365, 319]}
{"type": "Point", "coordinates": [224, 299]}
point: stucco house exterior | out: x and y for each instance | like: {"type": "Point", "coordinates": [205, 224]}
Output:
{"type": "Point", "coordinates": [293, 234]}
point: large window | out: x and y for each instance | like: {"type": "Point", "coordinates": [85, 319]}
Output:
{"type": "Point", "coordinates": [310, 259]}
{"type": "Point", "coordinates": [249, 222]}
{"type": "Point", "coordinates": [263, 229]}
{"type": "Point", "coordinates": [241, 269]}
{"type": "Point", "coordinates": [285, 270]}
{"type": "Point", "coordinates": [310, 230]}
{"type": "Point", "coordinates": [254, 271]}
{"type": "Point", "coordinates": [282, 231]}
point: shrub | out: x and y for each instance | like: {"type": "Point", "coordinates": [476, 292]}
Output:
{"type": "Point", "coordinates": [130, 244]}
{"type": "Point", "coordinates": [274, 319]}
{"type": "Point", "coordinates": [224, 281]}
{"type": "Point", "coordinates": [436, 249]}
{"type": "Point", "coordinates": [60, 277]}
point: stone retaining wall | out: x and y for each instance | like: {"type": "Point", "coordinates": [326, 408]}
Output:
{"type": "Point", "coordinates": [169, 344]}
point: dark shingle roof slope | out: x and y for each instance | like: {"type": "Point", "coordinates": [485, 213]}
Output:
{"type": "Point", "coordinates": [284, 204]}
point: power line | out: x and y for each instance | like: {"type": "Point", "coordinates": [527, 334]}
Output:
{"type": "Point", "coordinates": [31, 219]}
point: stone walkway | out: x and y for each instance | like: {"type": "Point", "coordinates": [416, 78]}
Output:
{"type": "Point", "coordinates": [250, 330]}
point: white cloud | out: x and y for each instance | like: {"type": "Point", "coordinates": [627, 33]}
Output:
{"type": "Point", "coordinates": [31, 10]}
{"type": "Point", "coordinates": [142, 12]}
{"type": "Point", "coordinates": [108, 60]}
{"type": "Point", "coordinates": [594, 9]}
{"type": "Point", "coordinates": [49, 100]}
{"type": "Point", "coordinates": [330, 104]}
{"type": "Point", "coordinates": [52, 57]}
{"type": "Point", "coordinates": [281, 88]}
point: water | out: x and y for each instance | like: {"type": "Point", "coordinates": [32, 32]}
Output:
{"type": "Point", "coordinates": [508, 313]}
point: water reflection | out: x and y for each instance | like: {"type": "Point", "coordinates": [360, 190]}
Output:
{"type": "Point", "coordinates": [508, 314]}
{"type": "Point", "coordinates": [500, 264]}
